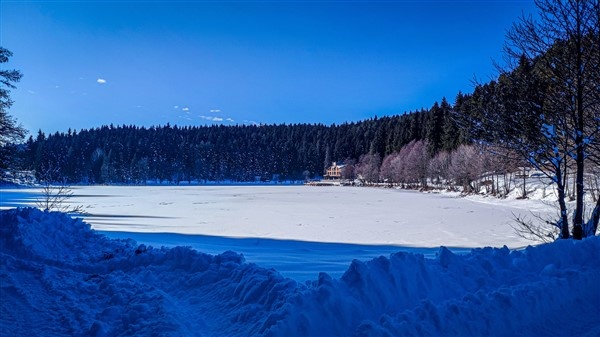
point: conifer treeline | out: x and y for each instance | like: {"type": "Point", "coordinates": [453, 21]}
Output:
{"type": "Point", "coordinates": [134, 155]}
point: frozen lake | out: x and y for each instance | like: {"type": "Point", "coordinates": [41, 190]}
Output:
{"type": "Point", "coordinates": [299, 230]}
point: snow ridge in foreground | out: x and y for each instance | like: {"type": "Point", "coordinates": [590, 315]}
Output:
{"type": "Point", "coordinates": [59, 277]}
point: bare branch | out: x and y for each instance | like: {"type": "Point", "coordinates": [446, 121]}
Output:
{"type": "Point", "coordinates": [544, 231]}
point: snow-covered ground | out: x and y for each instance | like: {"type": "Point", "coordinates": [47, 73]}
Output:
{"type": "Point", "coordinates": [298, 230]}
{"type": "Point", "coordinates": [60, 278]}
{"type": "Point", "coordinates": [373, 216]}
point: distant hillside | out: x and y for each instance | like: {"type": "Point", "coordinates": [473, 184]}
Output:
{"type": "Point", "coordinates": [130, 154]}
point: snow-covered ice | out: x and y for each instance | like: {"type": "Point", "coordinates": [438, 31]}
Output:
{"type": "Point", "coordinates": [58, 277]}
{"type": "Point", "coordinates": [298, 230]}
{"type": "Point", "coordinates": [352, 215]}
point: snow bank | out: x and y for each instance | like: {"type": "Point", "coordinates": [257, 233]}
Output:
{"type": "Point", "coordinates": [58, 277]}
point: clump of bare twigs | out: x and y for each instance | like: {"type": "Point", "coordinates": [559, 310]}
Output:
{"type": "Point", "coordinates": [56, 196]}
{"type": "Point", "coordinates": [542, 230]}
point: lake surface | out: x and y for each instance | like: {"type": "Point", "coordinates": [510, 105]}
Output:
{"type": "Point", "coordinates": [298, 230]}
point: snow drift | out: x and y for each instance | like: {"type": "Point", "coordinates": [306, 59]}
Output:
{"type": "Point", "coordinates": [59, 277]}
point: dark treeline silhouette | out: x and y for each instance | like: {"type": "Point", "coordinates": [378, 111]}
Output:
{"type": "Point", "coordinates": [173, 154]}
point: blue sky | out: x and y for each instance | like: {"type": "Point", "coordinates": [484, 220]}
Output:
{"type": "Point", "coordinates": [92, 63]}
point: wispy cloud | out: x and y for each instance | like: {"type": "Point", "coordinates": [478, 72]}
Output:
{"type": "Point", "coordinates": [212, 118]}
{"type": "Point", "coordinates": [208, 117]}
{"type": "Point", "coordinates": [101, 81]}
{"type": "Point", "coordinates": [250, 122]}
{"type": "Point", "coordinates": [31, 92]}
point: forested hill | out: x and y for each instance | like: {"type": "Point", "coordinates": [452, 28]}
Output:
{"type": "Point", "coordinates": [131, 154]}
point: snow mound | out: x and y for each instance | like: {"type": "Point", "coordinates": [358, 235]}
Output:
{"type": "Point", "coordinates": [58, 277]}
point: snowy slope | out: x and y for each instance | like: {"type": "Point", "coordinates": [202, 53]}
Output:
{"type": "Point", "coordinates": [58, 277]}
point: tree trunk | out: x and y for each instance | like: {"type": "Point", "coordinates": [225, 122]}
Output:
{"type": "Point", "coordinates": [524, 183]}
{"type": "Point", "coordinates": [579, 131]}
{"type": "Point", "coordinates": [592, 225]}
{"type": "Point", "coordinates": [560, 187]}
{"type": "Point", "coordinates": [578, 217]}
{"type": "Point", "coordinates": [566, 180]}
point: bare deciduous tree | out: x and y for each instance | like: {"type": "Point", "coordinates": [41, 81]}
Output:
{"type": "Point", "coordinates": [546, 106]}
{"type": "Point", "coordinates": [416, 163]}
{"type": "Point", "coordinates": [565, 42]}
{"type": "Point", "coordinates": [368, 167]}
{"type": "Point", "coordinates": [541, 231]}
{"type": "Point", "coordinates": [465, 167]}
{"type": "Point", "coordinates": [348, 171]}
{"type": "Point", "coordinates": [438, 167]}
{"type": "Point", "coordinates": [55, 193]}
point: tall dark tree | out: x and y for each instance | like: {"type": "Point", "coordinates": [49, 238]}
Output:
{"type": "Point", "coordinates": [434, 128]}
{"type": "Point", "coordinates": [451, 135]}
{"type": "Point", "coordinates": [10, 131]}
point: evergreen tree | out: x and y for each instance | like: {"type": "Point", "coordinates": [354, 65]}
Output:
{"type": "Point", "coordinates": [10, 131]}
{"type": "Point", "coordinates": [434, 128]}
{"type": "Point", "coordinates": [451, 136]}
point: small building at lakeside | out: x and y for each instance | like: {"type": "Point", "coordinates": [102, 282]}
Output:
{"type": "Point", "coordinates": [334, 171]}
